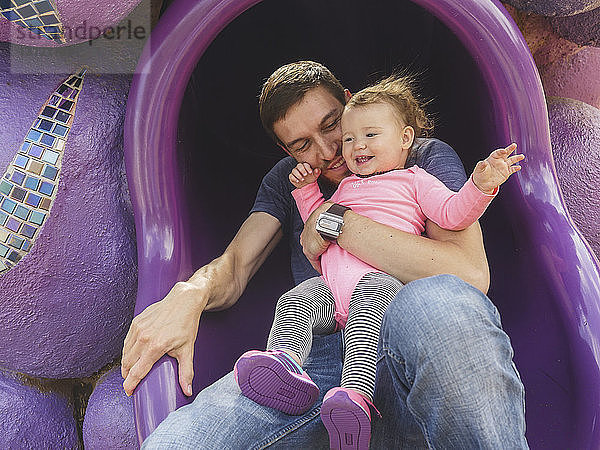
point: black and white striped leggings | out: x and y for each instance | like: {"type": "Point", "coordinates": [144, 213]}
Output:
{"type": "Point", "coordinates": [309, 308]}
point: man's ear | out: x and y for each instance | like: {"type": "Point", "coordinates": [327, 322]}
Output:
{"type": "Point", "coordinates": [347, 94]}
{"type": "Point", "coordinates": [408, 136]}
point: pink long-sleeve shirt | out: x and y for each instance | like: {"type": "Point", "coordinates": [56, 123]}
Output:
{"type": "Point", "coordinates": [403, 199]}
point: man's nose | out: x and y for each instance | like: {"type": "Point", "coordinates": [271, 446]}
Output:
{"type": "Point", "coordinates": [327, 148]}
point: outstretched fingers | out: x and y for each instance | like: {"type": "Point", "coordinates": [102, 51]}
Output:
{"type": "Point", "coordinates": [502, 153]}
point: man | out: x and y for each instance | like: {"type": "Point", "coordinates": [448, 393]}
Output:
{"type": "Point", "coordinates": [445, 376]}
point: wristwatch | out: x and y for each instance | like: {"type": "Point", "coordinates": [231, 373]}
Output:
{"type": "Point", "coordinates": [330, 223]}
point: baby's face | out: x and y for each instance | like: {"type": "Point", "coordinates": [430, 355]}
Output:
{"type": "Point", "coordinates": [373, 139]}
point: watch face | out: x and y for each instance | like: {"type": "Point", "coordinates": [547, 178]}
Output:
{"type": "Point", "coordinates": [329, 224]}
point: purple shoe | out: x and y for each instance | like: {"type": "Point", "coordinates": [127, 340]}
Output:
{"type": "Point", "coordinates": [274, 379]}
{"type": "Point", "coordinates": [346, 415]}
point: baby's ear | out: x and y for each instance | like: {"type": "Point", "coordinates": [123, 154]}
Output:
{"type": "Point", "coordinates": [408, 136]}
{"type": "Point", "coordinates": [347, 94]}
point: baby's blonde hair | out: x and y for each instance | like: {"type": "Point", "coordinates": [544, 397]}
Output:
{"type": "Point", "coordinates": [397, 91]}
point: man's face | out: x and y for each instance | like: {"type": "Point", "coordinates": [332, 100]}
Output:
{"type": "Point", "coordinates": [311, 132]}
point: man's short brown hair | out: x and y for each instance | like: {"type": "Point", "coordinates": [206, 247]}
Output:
{"type": "Point", "coordinates": [288, 85]}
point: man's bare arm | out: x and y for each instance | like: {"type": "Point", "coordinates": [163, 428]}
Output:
{"type": "Point", "coordinates": [406, 256]}
{"type": "Point", "coordinates": [170, 326]}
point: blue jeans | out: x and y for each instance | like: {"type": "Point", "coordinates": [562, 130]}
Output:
{"type": "Point", "coordinates": [445, 379]}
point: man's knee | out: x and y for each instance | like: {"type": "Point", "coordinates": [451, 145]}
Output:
{"type": "Point", "coordinates": [435, 309]}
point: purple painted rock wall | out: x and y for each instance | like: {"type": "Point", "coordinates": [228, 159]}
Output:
{"type": "Point", "coordinates": [569, 70]}
{"type": "Point", "coordinates": [109, 422]}
{"type": "Point", "coordinates": [554, 7]}
{"type": "Point", "coordinates": [33, 420]}
{"type": "Point", "coordinates": [82, 20]}
{"type": "Point", "coordinates": [582, 29]}
{"type": "Point", "coordinates": [575, 134]}
{"type": "Point", "coordinates": [65, 308]}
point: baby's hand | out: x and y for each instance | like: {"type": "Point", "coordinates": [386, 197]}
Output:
{"type": "Point", "coordinates": [303, 175]}
{"type": "Point", "coordinates": [496, 168]}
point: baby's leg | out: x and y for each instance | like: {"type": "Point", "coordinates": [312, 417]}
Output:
{"type": "Point", "coordinates": [345, 411]}
{"type": "Point", "coordinates": [371, 297]}
{"type": "Point", "coordinates": [275, 378]}
{"type": "Point", "coordinates": [308, 308]}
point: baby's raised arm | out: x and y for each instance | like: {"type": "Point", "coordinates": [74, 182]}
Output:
{"type": "Point", "coordinates": [303, 174]}
{"type": "Point", "coordinates": [496, 168]}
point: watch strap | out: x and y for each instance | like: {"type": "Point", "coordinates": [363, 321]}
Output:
{"type": "Point", "coordinates": [338, 209]}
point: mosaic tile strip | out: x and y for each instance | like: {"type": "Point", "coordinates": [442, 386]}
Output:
{"type": "Point", "coordinates": [29, 185]}
{"type": "Point", "coordinates": [39, 16]}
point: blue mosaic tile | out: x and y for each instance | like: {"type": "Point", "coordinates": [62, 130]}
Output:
{"type": "Point", "coordinates": [34, 23]}
{"type": "Point", "coordinates": [50, 156]}
{"type": "Point", "coordinates": [36, 151]}
{"type": "Point", "coordinates": [21, 212]}
{"type": "Point", "coordinates": [34, 135]}
{"type": "Point", "coordinates": [43, 6]}
{"type": "Point", "coordinates": [50, 19]}
{"type": "Point", "coordinates": [48, 111]}
{"type": "Point", "coordinates": [52, 30]}
{"type": "Point", "coordinates": [33, 200]}
{"type": "Point", "coordinates": [16, 241]}
{"type": "Point", "coordinates": [5, 4]}
{"type": "Point", "coordinates": [13, 224]}
{"type": "Point", "coordinates": [8, 206]}
{"type": "Point", "coordinates": [28, 230]}
{"type": "Point", "coordinates": [11, 15]}
{"type": "Point", "coordinates": [18, 177]}
{"type": "Point", "coordinates": [25, 146]}
{"type": "Point", "coordinates": [26, 11]}
{"type": "Point", "coordinates": [60, 130]}
{"type": "Point", "coordinates": [66, 105]}
{"type": "Point", "coordinates": [21, 161]}
{"type": "Point", "coordinates": [14, 256]}
{"type": "Point", "coordinates": [18, 194]}
{"type": "Point", "coordinates": [63, 116]}
{"type": "Point", "coordinates": [32, 183]}
{"type": "Point", "coordinates": [3, 217]}
{"type": "Point", "coordinates": [46, 188]}
{"type": "Point", "coordinates": [37, 217]}
{"type": "Point", "coordinates": [3, 250]}
{"type": "Point", "coordinates": [5, 187]}
{"type": "Point", "coordinates": [26, 246]}
{"type": "Point", "coordinates": [45, 125]}
{"type": "Point", "coordinates": [48, 140]}
{"type": "Point", "coordinates": [50, 172]}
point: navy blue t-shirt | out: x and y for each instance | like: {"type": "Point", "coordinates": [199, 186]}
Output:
{"type": "Point", "coordinates": [274, 194]}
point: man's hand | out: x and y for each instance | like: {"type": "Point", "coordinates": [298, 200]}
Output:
{"type": "Point", "coordinates": [303, 174]}
{"type": "Point", "coordinates": [496, 168]}
{"type": "Point", "coordinates": [313, 244]}
{"type": "Point", "coordinates": [169, 326]}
